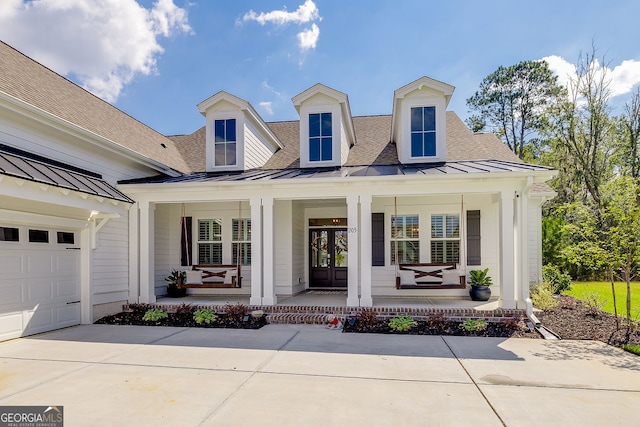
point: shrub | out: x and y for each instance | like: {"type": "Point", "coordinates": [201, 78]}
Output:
{"type": "Point", "coordinates": [155, 315]}
{"type": "Point", "coordinates": [236, 312]}
{"type": "Point", "coordinates": [558, 280]}
{"type": "Point", "coordinates": [542, 297]}
{"type": "Point", "coordinates": [471, 325]}
{"type": "Point", "coordinates": [437, 321]}
{"type": "Point", "coordinates": [515, 324]}
{"type": "Point", "coordinates": [138, 308]}
{"type": "Point", "coordinates": [204, 315]}
{"type": "Point", "coordinates": [402, 323]}
{"type": "Point", "coordinates": [366, 318]}
{"type": "Point", "coordinates": [593, 303]}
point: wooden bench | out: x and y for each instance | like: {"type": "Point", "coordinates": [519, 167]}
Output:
{"type": "Point", "coordinates": [212, 276]}
{"type": "Point", "coordinates": [430, 276]}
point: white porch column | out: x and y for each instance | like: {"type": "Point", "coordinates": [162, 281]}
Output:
{"type": "Point", "coordinates": [507, 256]}
{"type": "Point", "coordinates": [256, 251]}
{"type": "Point", "coordinates": [147, 253]}
{"type": "Point", "coordinates": [134, 254]}
{"type": "Point", "coordinates": [268, 285]}
{"type": "Point", "coordinates": [86, 294]}
{"type": "Point", "coordinates": [366, 299]}
{"type": "Point", "coordinates": [523, 231]}
{"type": "Point", "coordinates": [353, 299]}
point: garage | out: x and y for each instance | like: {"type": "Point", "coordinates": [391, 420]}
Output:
{"type": "Point", "coordinates": [40, 281]}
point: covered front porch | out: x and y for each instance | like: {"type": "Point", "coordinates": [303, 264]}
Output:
{"type": "Point", "coordinates": [269, 229]}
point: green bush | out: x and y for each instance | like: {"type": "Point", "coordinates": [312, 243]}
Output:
{"type": "Point", "coordinates": [542, 297]}
{"type": "Point", "coordinates": [402, 323]}
{"type": "Point", "coordinates": [471, 325]}
{"type": "Point", "coordinates": [204, 315]}
{"type": "Point", "coordinates": [154, 315]}
{"type": "Point", "coordinates": [559, 280]}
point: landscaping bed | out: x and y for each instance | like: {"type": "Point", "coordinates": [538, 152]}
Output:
{"type": "Point", "coordinates": [576, 320]}
{"type": "Point", "coordinates": [236, 316]}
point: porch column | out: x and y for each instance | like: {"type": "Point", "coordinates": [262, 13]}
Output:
{"type": "Point", "coordinates": [134, 254]}
{"type": "Point", "coordinates": [366, 299]}
{"type": "Point", "coordinates": [507, 256]}
{"type": "Point", "coordinates": [256, 251]}
{"type": "Point", "coordinates": [147, 253]}
{"type": "Point", "coordinates": [523, 232]}
{"type": "Point", "coordinates": [353, 299]}
{"type": "Point", "coordinates": [269, 295]}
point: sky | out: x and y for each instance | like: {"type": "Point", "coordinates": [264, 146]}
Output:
{"type": "Point", "coordinates": [157, 59]}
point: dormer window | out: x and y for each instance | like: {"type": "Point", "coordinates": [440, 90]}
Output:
{"type": "Point", "coordinates": [225, 142]}
{"type": "Point", "coordinates": [423, 131]}
{"type": "Point", "coordinates": [320, 137]}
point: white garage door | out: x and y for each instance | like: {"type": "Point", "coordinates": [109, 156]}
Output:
{"type": "Point", "coordinates": [39, 280]}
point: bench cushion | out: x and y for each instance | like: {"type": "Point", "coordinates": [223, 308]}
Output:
{"type": "Point", "coordinates": [407, 277]}
{"type": "Point", "coordinates": [194, 277]}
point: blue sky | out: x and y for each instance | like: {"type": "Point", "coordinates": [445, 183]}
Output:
{"type": "Point", "coordinates": [156, 60]}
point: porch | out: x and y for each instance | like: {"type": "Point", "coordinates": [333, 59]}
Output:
{"type": "Point", "coordinates": [312, 307]}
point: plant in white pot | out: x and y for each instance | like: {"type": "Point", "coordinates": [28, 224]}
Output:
{"type": "Point", "coordinates": [479, 280]}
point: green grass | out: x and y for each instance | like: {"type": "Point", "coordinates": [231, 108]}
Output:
{"type": "Point", "coordinates": [582, 290]}
{"type": "Point", "coordinates": [635, 349]}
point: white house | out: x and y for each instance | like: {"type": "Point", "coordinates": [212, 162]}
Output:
{"type": "Point", "coordinates": [97, 209]}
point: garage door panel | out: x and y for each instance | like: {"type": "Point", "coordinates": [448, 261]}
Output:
{"type": "Point", "coordinates": [11, 325]}
{"type": "Point", "coordinates": [39, 263]}
{"type": "Point", "coordinates": [67, 263]}
{"type": "Point", "coordinates": [38, 320]}
{"type": "Point", "coordinates": [67, 288]}
{"type": "Point", "coordinates": [11, 263]}
{"type": "Point", "coordinates": [39, 291]}
{"type": "Point", "coordinates": [67, 315]}
{"type": "Point", "coordinates": [11, 293]}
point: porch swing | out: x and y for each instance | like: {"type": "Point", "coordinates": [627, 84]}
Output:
{"type": "Point", "coordinates": [212, 275]}
{"type": "Point", "coordinates": [431, 275]}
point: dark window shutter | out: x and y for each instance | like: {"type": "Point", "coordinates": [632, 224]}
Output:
{"type": "Point", "coordinates": [377, 239]}
{"type": "Point", "coordinates": [186, 250]}
{"type": "Point", "coordinates": [473, 238]}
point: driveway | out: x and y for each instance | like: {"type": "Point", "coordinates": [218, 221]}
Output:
{"type": "Point", "coordinates": [297, 375]}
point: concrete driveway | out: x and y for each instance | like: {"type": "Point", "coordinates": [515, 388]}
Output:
{"type": "Point", "coordinates": [295, 375]}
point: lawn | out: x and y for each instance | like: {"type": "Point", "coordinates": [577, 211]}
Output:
{"type": "Point", "coordinates": [583, 290]}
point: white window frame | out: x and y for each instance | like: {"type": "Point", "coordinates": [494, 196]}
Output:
{"type": "Point", "coordinates": [245, 241]}
{"type": "Point", "coordinates": [444, 237]}
{"type": "Point", "coordinates": [403, 238]}
{"type": "Point", "coordinates": [213, 240]}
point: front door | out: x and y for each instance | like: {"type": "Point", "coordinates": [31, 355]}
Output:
{"type": "Point", "coordinates": [328, 252]}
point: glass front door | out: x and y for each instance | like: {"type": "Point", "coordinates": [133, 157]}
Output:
{"type": "Point", "coordinates": [328, 258]}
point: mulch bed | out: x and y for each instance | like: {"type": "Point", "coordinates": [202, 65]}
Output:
{"type": "Point", "coordinates": [574, 320]}
{"type": "Point", "coordinates": [571, 319]}
{"type": "Point", "coordinates": [239, 318]}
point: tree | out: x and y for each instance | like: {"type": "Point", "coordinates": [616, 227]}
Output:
{"type": "Point", "coordinates": [583, 133]}
{"type": "Point", "coordinates": [630, 122]}
{"type": "Point", "coordinates": [513, 101]}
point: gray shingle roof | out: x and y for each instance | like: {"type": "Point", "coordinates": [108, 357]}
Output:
{"type": "Point", "coordinates": [25, 79]}
{"type": "Point", "coordinates": [372, 146]}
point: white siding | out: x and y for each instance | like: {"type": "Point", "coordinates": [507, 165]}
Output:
{"type": "Point", "coordinates": [344, 149]}
{"type": "Point", "coordinates": [283, 247]}
{"type": "Point", "coordinates": [167, 244]}
{"type": "Point", "coordinates": [256, 152]}
{"type": "Point", "coordinates": [298, 257]}
{"type": "Point", "coordinates": [110, 262]}
{"type": "Point", "coordinates": [383, 278]}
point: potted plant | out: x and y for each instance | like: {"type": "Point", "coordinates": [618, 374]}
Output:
{"type": "Point", "coordinates": [173, 290]}
{"type": "Point", "coordinates": [480, 282]}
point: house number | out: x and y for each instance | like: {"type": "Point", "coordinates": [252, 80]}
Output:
{"type": "Point", "coordinates": [353, 230]}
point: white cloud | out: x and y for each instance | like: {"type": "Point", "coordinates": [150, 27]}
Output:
{"type": "Point", "coordinates": [267, 107]}
{"type": "Point", "coordinates": [307, 39]}
{"type": "Point", "coordinates": [103, 44]}
{"type": "Point", "coordinates": [267, 86]}
{"type": "Point", "coordinates": [623, 77]}
{"type": "Point", "coordinates": [305, 13]}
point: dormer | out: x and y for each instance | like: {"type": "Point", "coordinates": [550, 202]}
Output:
{"type": "Point", "coordinates": [419, 125]}
{"type": "Point", "coordinates": [326, 128]}
{"type": "Point", "coordinates": [237, 137]}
